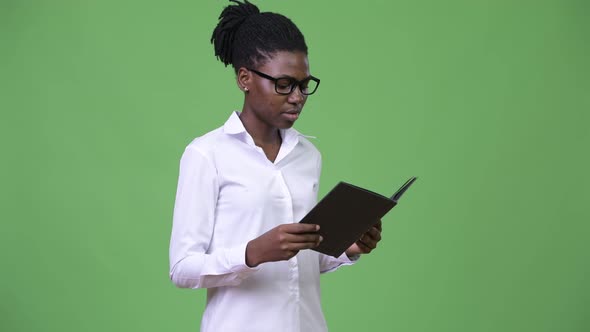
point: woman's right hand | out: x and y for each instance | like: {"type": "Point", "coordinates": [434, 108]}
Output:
{"type": "Point", "coordinates": [282, 243]}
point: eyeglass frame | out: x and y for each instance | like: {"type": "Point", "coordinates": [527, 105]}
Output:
{"type": "Point", "coordinates": [294, 82]}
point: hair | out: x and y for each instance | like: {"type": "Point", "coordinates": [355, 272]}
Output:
{"type": "Point", "coordinates": [246, 37]}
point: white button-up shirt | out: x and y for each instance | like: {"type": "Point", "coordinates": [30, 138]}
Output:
{"type": "Point", "coordinates": [228, 194]}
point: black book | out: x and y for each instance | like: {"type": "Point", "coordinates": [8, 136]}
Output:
{"type": "Point", "coordinates": [347, 212]}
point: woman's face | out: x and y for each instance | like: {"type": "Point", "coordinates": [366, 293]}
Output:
{"type": "Point", "coordinates": [270, 108]}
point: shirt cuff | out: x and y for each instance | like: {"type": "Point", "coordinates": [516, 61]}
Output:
{"type": "Point", "coordinates": [350, 260]}
{"type": "Point", "coordinates": [236, 259]}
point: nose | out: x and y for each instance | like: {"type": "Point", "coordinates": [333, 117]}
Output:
{"type": "Point", "coordinates": [296, 96]}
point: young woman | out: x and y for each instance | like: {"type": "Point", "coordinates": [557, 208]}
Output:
{"type": "Point", "coordinates": [243, 188]}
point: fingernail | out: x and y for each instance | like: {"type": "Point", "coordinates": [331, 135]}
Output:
{"type": "Point", "coordinates": [317, 227]}
{"type": "Point", "coordinates": [321, 238]}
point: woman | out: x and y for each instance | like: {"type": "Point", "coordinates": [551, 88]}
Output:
{"type": "Point", "coordinates": [244, 186]}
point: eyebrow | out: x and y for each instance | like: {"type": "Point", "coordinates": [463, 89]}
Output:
{"type": "Point", "coordinates": [293, 78]}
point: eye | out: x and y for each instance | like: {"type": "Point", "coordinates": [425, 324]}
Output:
{"type": "Point", "coordinates": [284, 83]}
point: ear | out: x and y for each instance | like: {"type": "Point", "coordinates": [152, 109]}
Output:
{"type": "Point", "coordinates": [244, 79]}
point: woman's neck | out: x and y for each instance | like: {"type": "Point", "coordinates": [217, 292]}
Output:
{"type": "Point", "coordinates": [262, 133]}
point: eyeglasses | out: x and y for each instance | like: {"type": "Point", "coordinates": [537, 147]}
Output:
{"type": "Point", "coordinates": [285, 85]}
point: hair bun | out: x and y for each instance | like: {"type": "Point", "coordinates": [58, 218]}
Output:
{"type": "Point", "coordinates": [230, 20]}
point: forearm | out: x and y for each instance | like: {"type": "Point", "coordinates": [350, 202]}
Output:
{"type": "Point", "coordinates": [225, 267]}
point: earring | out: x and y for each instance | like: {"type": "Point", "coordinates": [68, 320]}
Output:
{"type": "Point", "coordinates": [246, 89]}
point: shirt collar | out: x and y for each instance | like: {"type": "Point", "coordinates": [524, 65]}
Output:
{"type": "Point", "coordinates": [234, 126]}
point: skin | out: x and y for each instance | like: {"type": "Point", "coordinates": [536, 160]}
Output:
{"type": "Point", "coordinates": [265, 112]}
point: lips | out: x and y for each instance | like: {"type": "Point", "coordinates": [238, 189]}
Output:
{"type": "Point", "coordinates": [292, 115]}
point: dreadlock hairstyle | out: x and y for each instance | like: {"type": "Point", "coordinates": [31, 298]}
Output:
{"type": "Point", "coordinates": [245, 37]}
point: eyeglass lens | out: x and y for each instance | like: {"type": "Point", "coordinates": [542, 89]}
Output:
{"type": "Point", "coordinates": [286, 85]}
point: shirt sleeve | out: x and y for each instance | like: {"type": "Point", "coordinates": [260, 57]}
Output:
{"type": "Point", "coordinates": [329, 263]}
{"type": "Point", "coordinates": [191, 265]}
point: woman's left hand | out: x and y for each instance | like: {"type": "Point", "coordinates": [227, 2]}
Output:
{"type": "Point", "coordinates": [367, 242]}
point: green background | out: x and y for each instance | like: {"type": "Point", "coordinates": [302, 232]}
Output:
{"type": "Point", "coordinates": [486, 101]}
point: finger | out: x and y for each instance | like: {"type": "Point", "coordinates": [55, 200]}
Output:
{"type": "Point", "coordinates": [363, 246]}
{"type": "Point", "coordinates": [374, 233]}
{"type": "Point", "coordinates": [303, 237]}
{"type": "Point", "coordinates": [286, 255]}
{"type": "Point", "coordinates": [368, 241]}
{"type": "Point", "coordinates": [297, 228]}
{"type": "Point", "coordinates": [302, 245]}
{"type": "Point", "coordinates": [379, 225]}
{"type": "Point", "coordinates": [291, 253]}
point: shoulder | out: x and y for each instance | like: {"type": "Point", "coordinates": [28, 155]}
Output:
{"type": "Point", "coordinates": [201, 150]}
{"type": "Point", "coordinates": [307, 144]}
{"type": "Point", "coordinates": [207, 142]}
{"type": "Point", "coordinates": [310, 151]}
